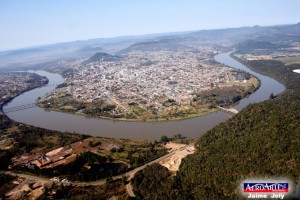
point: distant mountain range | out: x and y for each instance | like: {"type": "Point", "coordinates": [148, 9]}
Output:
{"type": "Point", "coordinates": [243, 38]}
{"type": "Point", "coordinates": [164, 44]}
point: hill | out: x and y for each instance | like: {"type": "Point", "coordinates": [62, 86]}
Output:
{"type": "Point", "coordinates": [101, 56]}
{"type": "Point", "coordinates": [261, 141]}
{"type": "Point", "coordinates": [160, 45]}
{"type": "Point", "coordinates": [278, 34]}
{"type": "Point", "coordinates": [266, 38]}
{"type": "Point", "coordinates": [88, 50]}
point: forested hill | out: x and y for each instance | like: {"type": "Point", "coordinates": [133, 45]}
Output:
{"type": "Point", "coordinates": [101, 57]}
{"type": "Point", "coordinates": [263, 140]}
{"type": "Point", "coordinates": [277, 70]}
{"type": "Point", "coordinates": [165, 45]}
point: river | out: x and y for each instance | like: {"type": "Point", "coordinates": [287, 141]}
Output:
{"type": "Point", "coordinates": [190, 128]}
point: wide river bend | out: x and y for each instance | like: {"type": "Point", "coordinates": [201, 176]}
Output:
{"type": "Point", "coordinates": [191, 128]}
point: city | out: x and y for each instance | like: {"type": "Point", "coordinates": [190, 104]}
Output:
{"type": "Point", "coordinates": [150, 85]}
{"type": "Point", "coordinates": [149, 100]}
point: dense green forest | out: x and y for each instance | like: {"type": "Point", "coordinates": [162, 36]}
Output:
{"type": "Point", "coordinates": [111, 190]}
{"type": "Point", "coordinates": [263, 140]}
{"type": "Point", "coordinates": [152, 178]}
{"type": "Point", "coordinates": [276, 69]}
{"type": "Point", "coordinates": [150, 155]}
{"type": "Point", "coordinates": [5, 122]}
{"type": "Point", "coordinates": [28, 138]}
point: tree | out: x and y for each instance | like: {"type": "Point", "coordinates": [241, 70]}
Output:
{"type": "Point", "coordinates": [113, 150]}
{"type": "Point", "coordinates": [124, 180]}
{"type": "Point", "coordinates": [109, 179]}
{"type": "Point", "coordinates": [121, 149]}
{"type": "Point", "coordinates": [272, 96]}
{"type": "Point", "coordinates": [164, 139]}
{"type": "Point", "coordinates": [151, 147]}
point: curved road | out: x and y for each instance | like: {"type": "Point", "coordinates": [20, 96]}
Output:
{"type": "Point", "coordinates": [129, 174]}
{"type": "Point", "coordinates": [256, 97]}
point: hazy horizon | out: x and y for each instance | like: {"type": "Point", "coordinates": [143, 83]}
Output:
{"type": "Point", "coordinates": [30, 23]}
{"type": "Point", "coordinates": [146, 34]}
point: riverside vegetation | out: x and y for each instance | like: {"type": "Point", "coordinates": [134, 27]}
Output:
{"type": "Point", "coordinates": [150, 86]}
{"type": "Point", "coordinates": [18, 140]}
{"type": "Point", "coordinates": [261, 141]}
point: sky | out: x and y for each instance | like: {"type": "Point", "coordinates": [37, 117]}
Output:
{"type": "Point", "coordinates": [25, 23]}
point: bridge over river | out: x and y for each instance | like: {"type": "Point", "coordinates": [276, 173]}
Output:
{"type": "Point", "coordinates": [32, 105]}
{"type": "Point", "coordinates": [18, 108]}
{"type": "Point", "coordinates": [190, 128]}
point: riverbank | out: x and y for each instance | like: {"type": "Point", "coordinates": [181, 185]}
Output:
{"type": "Point", "coordinates": [190, 116]}
{"type": "Point", "coordinates": [190, 128]}
{"type": "Point", "coordinates": [261, 141]}
{"type": "Point", "coordinates": [202, 103]}
{"type": "Point", "coordinates": [273, 68]}
{"type": "Point", "coordinates": [21, 82]}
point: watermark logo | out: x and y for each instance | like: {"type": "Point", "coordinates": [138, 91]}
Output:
{"type": "Point", "coordinates": [265, 189]}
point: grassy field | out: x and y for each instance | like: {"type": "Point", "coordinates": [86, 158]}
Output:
{"type": "Point", "coordinates": [288, 60]}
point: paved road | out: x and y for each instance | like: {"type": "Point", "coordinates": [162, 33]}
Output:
{"type": "Point", "coordinates": [129, 190]}
{"type": "Point", "coordinates": [29, 177]}
{"type": "Point", "coordinates": [129, 174]}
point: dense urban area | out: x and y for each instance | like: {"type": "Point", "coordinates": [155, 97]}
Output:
{"type": "Point", "coordinates": [159, 85]}
{"type": "Point", "coordinates": [151, 81]}
{"type": "Point", "coordinates": [13, 84]}
{"type": "Point", "coordinates": [67, 158]}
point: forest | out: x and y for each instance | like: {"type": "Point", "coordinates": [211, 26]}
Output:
{"type": "Point", "coordinates": [275, 69]}
{"type": "Point", "coordinates": [261, 141]}
{"type": "Point", "coordinates": [110, 190]}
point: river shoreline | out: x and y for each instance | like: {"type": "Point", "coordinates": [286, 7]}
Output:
{"type": "Point", "coordinates": [189, 116]}
{"type": "Point", "coordinates": [206, 112]}
{"type": "Point", "coordinates": [197, 111]}
{"type": "Point", "coordinates": [190, 128]}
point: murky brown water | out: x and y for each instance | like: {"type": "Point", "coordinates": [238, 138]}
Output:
{"type": "Point", "coordinates": [191, 128]}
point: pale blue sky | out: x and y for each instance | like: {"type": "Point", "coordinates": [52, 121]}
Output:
{"type": "Point", "coordinates": [33, 22]}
